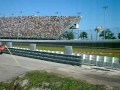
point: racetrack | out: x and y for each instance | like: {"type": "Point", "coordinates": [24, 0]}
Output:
{"type": "Point", "coordinates": [9, 68]}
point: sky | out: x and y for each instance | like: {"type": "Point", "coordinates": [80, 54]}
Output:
{"type": "Point", "coordinates": [92, 11]}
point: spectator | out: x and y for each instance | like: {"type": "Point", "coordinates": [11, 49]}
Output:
{"type": "Point", "coordinates": [49, 27]}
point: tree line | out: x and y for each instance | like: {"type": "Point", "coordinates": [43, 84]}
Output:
{"type": "Point", "coordinates": [105, 34]}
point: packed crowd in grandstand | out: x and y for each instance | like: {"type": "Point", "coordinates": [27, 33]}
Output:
{"type": "Point", "coordinates": [49, 27]}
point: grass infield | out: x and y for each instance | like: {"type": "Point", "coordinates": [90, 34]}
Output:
{"type": "Point", "coordinates": [93, 51]}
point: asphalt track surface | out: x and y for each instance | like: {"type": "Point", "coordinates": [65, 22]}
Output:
{"type": "Point", "coordinates": [12, 66]}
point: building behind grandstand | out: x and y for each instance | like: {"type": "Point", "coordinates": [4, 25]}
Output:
{"type": "Point", "coordinates": [36, 27]}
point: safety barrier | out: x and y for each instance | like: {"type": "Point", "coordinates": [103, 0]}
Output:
{"type": "Point", "coordinates": [101, 61]}
{"type": "Point", "coordinates": [54, 57]}
{"type": "Point", "coordinates": [85, 59]}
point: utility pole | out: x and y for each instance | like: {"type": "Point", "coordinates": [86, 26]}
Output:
{"type": "Point", "coordinates": [105, 8]}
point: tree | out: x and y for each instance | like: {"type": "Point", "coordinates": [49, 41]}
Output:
{"type": "Point", "coordinates": [83, 35]}
{"type": "Point", "coordinates": [107, 34]}
{"type": "Point", "coordinates": [68, 35]}
{"type": "Point", "coordinates": [118, 35]}
{"type": "Point", "coordinates": [98, 30]}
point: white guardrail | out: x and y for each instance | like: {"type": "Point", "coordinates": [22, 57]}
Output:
{"type": "Point", "coordinates": [101, 61]}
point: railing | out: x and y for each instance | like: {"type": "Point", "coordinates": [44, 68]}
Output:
{"type": "Point", "coordinates": [113, 44]}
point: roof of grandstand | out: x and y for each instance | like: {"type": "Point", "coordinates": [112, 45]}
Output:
{"type": "Point", "coordinates": [36, 26]}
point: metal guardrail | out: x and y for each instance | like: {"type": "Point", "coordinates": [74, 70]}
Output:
{"type": "Point", "coordinates": [101, 61]}
{"type": "Point", "coordinates": [60, 58]}
{"type": "Point", "coordinates": [82, 43]}
{"type": "Point", "coordinates": [61, 41]}
{"type": "Point", "coordinates": [91, 60]}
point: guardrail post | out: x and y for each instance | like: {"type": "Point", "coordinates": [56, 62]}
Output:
{"type": "Point", "coordinates": [113, 61]}
{"type": "Point", "coordinates": [83, 58]}
{"type": "Point", "coordinates": [68, 50]}
{"type": "Point", "coordinates": [32, 46]}
{"type": "Point", "coordinates": [97, 59]}
{"type": "Point", "coordinates": [104, 64]}
{"type": "Point", "coordinates": [9, 44]}
{"type": "Point", "coordinates": [90, 58]}
{"type": "Point", "coordinates": [0, 43]}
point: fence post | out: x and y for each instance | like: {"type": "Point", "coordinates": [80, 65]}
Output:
{"type": "Point", "coordinates": [9, 44]}
{"type": "Point", "coordinates": [97, 59]}
{"type": "Point", "coordinates": [68, 50]}
{"type": "Point", "coordinates": [113, 61]}
{"type": "Point", "coordinates": [32, 46]}
{"type": "Point", "coordinates": [104, 64]}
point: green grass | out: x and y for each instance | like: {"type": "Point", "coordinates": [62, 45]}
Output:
{"type": "Point", "coordinates": [106, 52]}
{"type": "Point", "coordinates": [44, 80]}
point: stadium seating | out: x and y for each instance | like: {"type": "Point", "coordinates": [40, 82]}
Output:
{"type": "Point", "coordinates": [35, 27]}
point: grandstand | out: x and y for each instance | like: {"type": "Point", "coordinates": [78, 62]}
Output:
{"type": "Point", "coordinates": [36, 27]}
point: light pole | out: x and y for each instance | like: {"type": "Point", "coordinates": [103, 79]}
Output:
{"type": "Point", "coordinates": [118, 32]}
{"type": "Point", "coordinates": [91, 35]}
{"type": "Point", "coordinates": [105, 8]}
{"type": "Point", "coordinates": [78, 13]}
